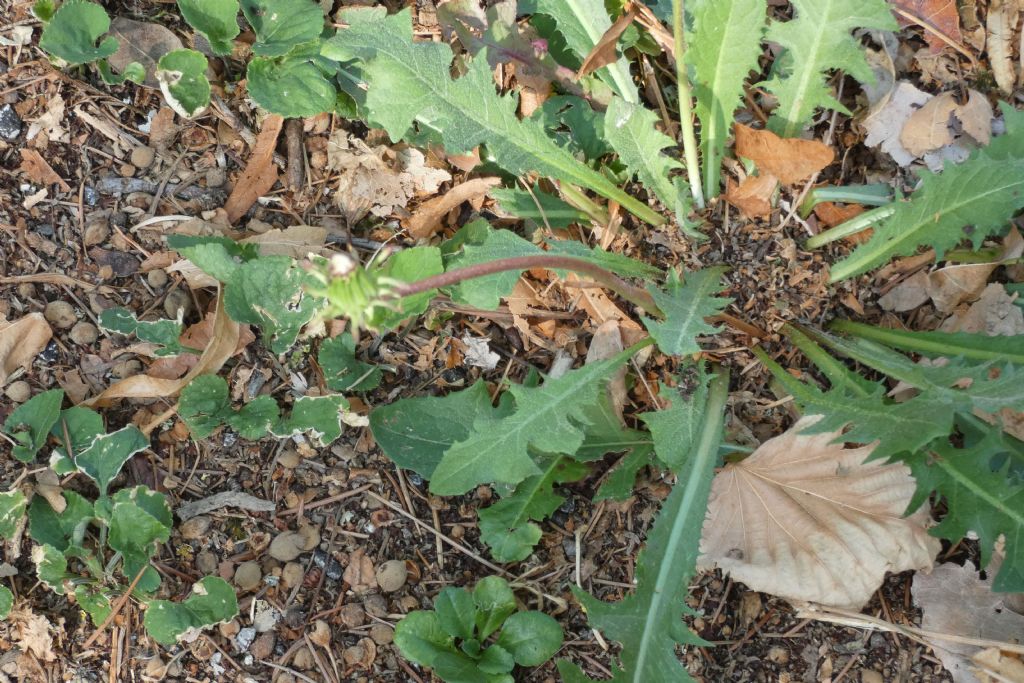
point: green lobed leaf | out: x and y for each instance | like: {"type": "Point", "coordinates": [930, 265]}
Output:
{"type": "Point", "coordinates": [648, 622]}
{"type": "Point", "coordinates": [218, 257]}
{"type": "Point", "coordinates": [182, 77]}
{"type": "Point", "coordinates": [456, 612]}
{"type": "Point", "coordinates": [342, 370]}
{"type": "Point", "coordinates": [676, 429]}
{"type": "Point", "coordinates": [575, 124]}
{"type": "Point", "coordinates": [140, 519]}
{"type": "Point", "coordinates": [59, 530]}
{"type": "Point", "coordinates": [43, 10]}
{"type": "Point", "coordinates": [6, 601]}
{"type": "Point", "coordinates": [816, 40]}
{"type": "Point", "coordinates": [494, 602]}
{"type": "Point", "coordinates": [685, 305]}
{"type": "Point", "coordinates": [203, 405]}
{"type": "Point", "coordinates": [212, 602]}
{"type": "Point", "coordinates": [103, 459]}
{"type": "Point", "coordinates": [73, 30]}
{"type": "Point", "coordinates": [408, 265]}
{"type": "Point", "coordinates": [582, 23]}
{"type": "Point", "coordinates": [723, 49]}
{"type": "Point", "coordinates": [421, 639]}
{"type": "Point", "coordinates": [268, 292]}
{"type": "Point", "coordinates": [540, 207]}
{"type": "Point", "coordinates": [531, 637]}
{"type": "Point", "coordinates": [12, 509]}
{"type": "Point", "coordinates": [631, 131]}
{"type": "Point", "coordinates": [979, 499]}
{"type": "Point", "coordinates": [973, 200]}
{"type": "Point", "coordinates": [550, 418]}
{"type": "Point", "coordinates": [162, 332]}
{"type": "Point", "coordinates": [215, 19]}
{"type": "Point", "coordinates": [30, 423]}
{"type": "Point", "coordinates": [255, 419]}
{"type": "Point", "coordinates": [95, 602]}
{"type": "Point", "coordinates": [291, 87]}
{"type": "Point", "coordinates": [79, 425]}
{"type": "Point", "coordinates": [620, 481]}
{"type": "Point", "coordinates": [321, 418]}
{"type": "Point", "coordinates": [416, 432]}
{"type": "Point", "coordinates": [506, 526]}
{"type": "Point", "coordinates": [410, 81]}
{"type": "Point", "coordinates": [280, 25]}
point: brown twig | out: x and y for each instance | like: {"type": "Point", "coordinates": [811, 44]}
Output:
{"type": "Point", "coordinates": [118, 606]}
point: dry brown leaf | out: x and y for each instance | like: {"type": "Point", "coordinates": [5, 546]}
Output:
{"type": "Point", "coordinates": [885, 124]}
{"type": "Point", "coordinates": [197, 336]}
{"type": "Point", "coordinates": [223, 342]}
{"type": "Point", "coordinates": [810, 520]}
{"type": "Point", "coordinates": [32, 632]}
{"type": "Point", "coordinates": [791, 160]}
{"type": "Point", "coordinates": [662, 36]}
{"type": "Point", "coordinates": [976, 117]}
{"type": "Point", "coordinates": [753, 195]}
{"type": "Point", "coordinates": [940, 15]}
{"type": "Point", "coordinates": [606, 342]}
{"type": "Point", "coordinates": [20, 342]}
{"type": "Point", "coordinates": [35, 167]}
{"type": "Point", "coordinates": [360, 573]}
{"type": "Point", "coordinates": [260, 172]}
{"type": "Point", "coordinates": [604, 52]}
{"type": "Point", "coordinates": [1001, 23]}
{"type": "Point", "coordinates": [951, 286]}
{"type": "Point", "coordinates": [928, 129]}
{"type": "Point", "coordinates": [954, 600]}
{"type": "Point", "coordinates": [50, 123]}
{"type": "Point", "coordinates": [142, 42]}
{"type": "Point", "coordinates": [994, 314]}
{"type": "Point", "coordinates": [426, 220]}
{"type": "Point", "coordinates": [907, 295]}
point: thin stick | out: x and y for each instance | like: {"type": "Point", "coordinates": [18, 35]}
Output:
{"type": "Point", "coordinates": [116, 608]}
{"type": "Point", "coordinates": [686, 107]}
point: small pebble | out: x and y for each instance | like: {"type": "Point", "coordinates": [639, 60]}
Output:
{"type": "Point", "coordinates": [195, 528]}
{"type": "Point", "coordinates": [84, 333]}
{"type": "Point", "coordinates": [216, 177]}
{"type": "Point", "coordinates": [142, 157]}
{"type": "Point", "coordinates": [126, 368]}
{"type": "Point", "coordinates": [303, 659]}
{"type": "Point", "coordinates": [19, 391]}
{"type": "Point", "coordinates": [289, 459]}
{"type": "Point", "coordinates": [156, 278]}
{"type": "Point", "coordinates": [310, 536]}
{"type": "Point", "coordinates": [258, 226]}
{"type": "Point", "coordinates": [10, 123]}
{"type": "Point", "coordinates": [286, 546]}
{"type": "Point", "coordinates": [292, 574]}
{"type": "Point", "coordinates": [127, 170]}
{"type": "Point", "coordinates": [206, 562]}
{"type": "Point", "coordinates": [263, 646]}
{"type": "Point", "coordinates": [381, 634]}
{"type": "Point", "coordinates": [60, 314]}
{"type": "Point", "coordinates": [244, 638]}
{"type": "Point", "coordinates": [96, 232]}
{"type": "Point", "coordinates": [248, 576]}
{"type": "Point", "coordinates": [392, 575]}
{"type": "Point", "coordinates": [376, 606]}
{"type": "Point", "coordinates": [177, 300]}
{"type": "Point", "coordinates": [352, 615]}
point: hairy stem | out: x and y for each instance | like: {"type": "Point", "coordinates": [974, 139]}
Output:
{"type": "Point", "coordinates": [635, 295]}
{"type": "Point", "coordinates": [686, 106]}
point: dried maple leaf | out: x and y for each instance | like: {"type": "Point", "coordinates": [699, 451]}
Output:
{"type": "Point", "coordinates": [810, 520]}
{"type": "Point", "coordinates": [791, 160]}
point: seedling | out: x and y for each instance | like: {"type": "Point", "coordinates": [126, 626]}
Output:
{"type": "Point", "coordinates": [453, 638]}
{"type": "Point", "coordinates": [97, 550]}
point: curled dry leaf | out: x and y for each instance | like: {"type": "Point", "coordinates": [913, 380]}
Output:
{"type": "Point", "coordinates": [39, 171]}
{"type": "Point", "coordinates": [197, 336]}
{"type": "Point", "coordinates": [604, 52]}
{"type": "Point", "coordinates": [810, 520]}
{"type": "Point", "coordinates": [885, 123]}
{"type": "Point", "coordinates": [791, 160]}
{"type": "Point", "coordinates": [20, 342]}
{"type": "Point", "coordinates": [995, 313]}
{"type": "Point", "coordinates": [935, 16]}
{"type": "Point", "coordinates": [223, 341]}
{"type": "Point", "coordinates": [928, 128]}
{"type": "Point", "coordinates": [427, 219]}
{"type": "Point", "coordinates": [260, 173]}
{"type": "Point", "coordinates": [753, 195]}
{"type": "Point", "coordinates": [1001, 23]}
{"type": "Point", "coordinates": [607, 342]}
{"type": "Point", "coordinates": [955, 601]}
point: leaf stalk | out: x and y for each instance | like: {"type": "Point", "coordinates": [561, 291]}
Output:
{"type": "Point", "coordinates": [686, 107]}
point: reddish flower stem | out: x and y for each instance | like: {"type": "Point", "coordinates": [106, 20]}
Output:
{"type": "Point", "coordinates": [636, 295]}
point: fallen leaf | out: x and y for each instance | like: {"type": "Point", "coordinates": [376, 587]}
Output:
{"type": "Point", "coordinates": [994, 314]}
{"type": "Point", "coordinates": [426, 220]}
{"type": "Point", "coordinates": [360, 573]}
{"type": "Point", "coordinates": [163, 129]}
{"type": "Point", "coordinates": [604, 52]}
{"type": "Point", "coordinates": [142, 42]}
{"type": "Point", "coordinates": [993, 666]}
{"type": "Point", "coordinates": [223, 341]}
{"type": "Point", "coordinates": [606, 342]}
{"type": "Point", "coordinates": [39, 171]}
{"type": "Point", "coordinates": [753, 195]}
{"type": "Point", "coordinates": [928, 128]}
{"type": "Point", "coordinates": [951, 286]}
{"type": "Point", "coordinates": [976, 117]}
{"type": "Point", "coordinates": [1001, 23]}
{"type": "Point", "coordinates": [791, 160]}
{"type": "Point", "coordinates": [809, 520]}
{"type": "Point", "coordinates": [941, 15]}
{"type": "Point", "coordinates": [907, 295]}
{"type": "Point", "coordinates": [50, 122]}
{"type": "Point", "coordinates": [197, 336]}
{"type": "Point", "coordinates": [20, 342]}
{"type": "Point", "coordinates": [73, 385]}
{"type": "Point", "coordinates": [955, 601]}
{"type": "Point", "coordinates": [477, 352]}
{"type": "Point", "coordinates": [260, 172]}
{"type": "Point", "coordinates": [35, 198]}
{"type": "Point", "coordinates": [885, 125]}
{"type": "Point", "coordinates": [32, 633]}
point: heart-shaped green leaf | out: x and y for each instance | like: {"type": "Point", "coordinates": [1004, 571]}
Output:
{"type": "Point", "coordinates": [215, 19]}
{"type": "Point", "coordinates": [12, 509]}
{"type": "Point", "coordinates": [532, 637]}
{"type": "Point", "coordinates": [280, 25]}
{"type": "Point", "coordinates": [182, 76]}
{"type": "Point", "coordinates": [108, 453]}
{"type": "Point", "coordinates": [293, 88]}
{"type": "Point", "coordinates": [73, 31]}
{"type": "Point", "coordinates": [30, 423]}
{"type": "Point", "coordinates": [212, 602]}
